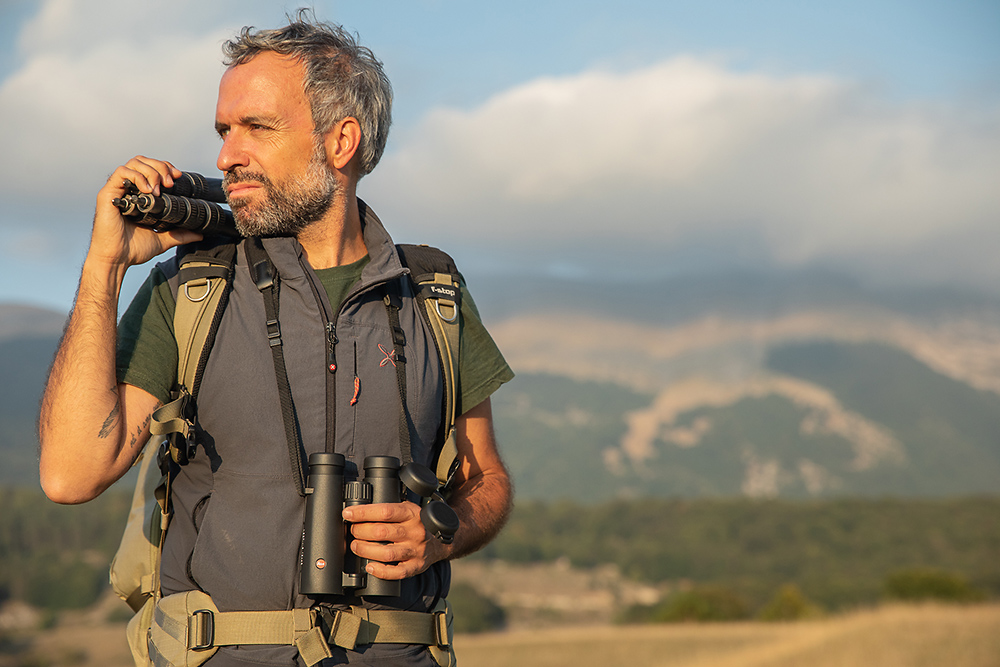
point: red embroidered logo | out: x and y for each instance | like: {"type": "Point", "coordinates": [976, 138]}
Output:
{"type": "Point", "coordinates": [390, 356]}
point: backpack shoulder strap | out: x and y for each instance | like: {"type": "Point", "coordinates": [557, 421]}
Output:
{"type": "Point", "coordinates": [205, 278]}
{"type": "Point", "coordinates": [437, 284]}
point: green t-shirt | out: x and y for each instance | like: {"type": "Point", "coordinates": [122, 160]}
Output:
{"type": "Point", "coordinates": [147, 350]}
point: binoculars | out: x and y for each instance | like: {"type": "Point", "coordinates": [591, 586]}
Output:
{"type": "Point", "coordinates": [192, 203]}
{"type": "Point", "coordinates": [328, 566]}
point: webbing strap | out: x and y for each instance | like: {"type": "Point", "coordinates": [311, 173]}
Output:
{"type": "Point", "coordinates": [233, 628]}
{"type": "Point", "coordinates": [359, 626]}
{"type": "Point", "coordinates": [190, 622]}
{"type": "Point", "coordinates": [398, 359]}
{"type": "Point", "coordinates": [203, 284]}
{"type": "Point", "coordinates": [265, 276]}
{"type": "Point", "coordinates": [349, 628]}
{"type": "Point", "coordinates": [171, 418]}
{"type": "Point", "coordinates": [442, 298]}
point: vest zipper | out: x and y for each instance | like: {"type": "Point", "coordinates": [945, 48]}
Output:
{"type": "Point", "coordinates": [331, 347]}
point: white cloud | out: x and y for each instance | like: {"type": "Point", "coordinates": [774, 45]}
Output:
{"type": "Point", "coordinates": [565, 171]}
{"type": "Point", "coordinates": [95, 88]}
{"type": "Point", "coordinates": [688, 148]}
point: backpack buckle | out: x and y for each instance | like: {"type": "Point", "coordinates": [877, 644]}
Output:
{"type": "Point", "coordinates": [183, 446]}
{"type": "Point", "coordinates": [441, 629]}
{"type": "Point", "coordinates": [201, 630]}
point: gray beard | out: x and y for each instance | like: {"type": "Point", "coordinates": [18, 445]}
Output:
{"type": "Point", "coordinates": [286, 209]}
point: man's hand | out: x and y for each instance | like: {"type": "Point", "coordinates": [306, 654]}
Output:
{"type": "Point", "coordinates": [393, 538]}
{"type": "Point", "coordinates": [481, 497]}
{"type": "Point", "coordinates": [116, 241]}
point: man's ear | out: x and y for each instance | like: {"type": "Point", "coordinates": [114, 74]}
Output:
{"type": "Point", "coordinates": [342, 142]}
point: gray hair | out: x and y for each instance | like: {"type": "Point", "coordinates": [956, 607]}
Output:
{"type": "Point", "coordinates": [342, 77]}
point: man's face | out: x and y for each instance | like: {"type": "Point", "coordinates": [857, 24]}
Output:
{"type": "Point", "coordinates": [277, 179]}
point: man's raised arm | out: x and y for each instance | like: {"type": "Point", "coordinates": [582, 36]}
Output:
{"type": "Point", "coordinates": [90, 427]}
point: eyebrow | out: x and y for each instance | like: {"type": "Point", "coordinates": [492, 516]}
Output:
{"type": "Point", "coordinates": [248, 120]}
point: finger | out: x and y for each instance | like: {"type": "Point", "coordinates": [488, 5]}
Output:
{"type": "Point", "coordinates": [379, 512]}
{"type": "Point", "coordinates": [384, 553]}
{"type": "Point", "coordinates": [180, 237]}
{"type": "Point", "coordinates": [154, 173]}
{"type": "Point", "coordinates": [379, 531]}
{"type": "Point", "coordinates": [393, 572]}
{"type": "Point", "coordinates": [173, 171]}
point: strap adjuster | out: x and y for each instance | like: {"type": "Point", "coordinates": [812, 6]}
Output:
{"type": "Point", "coordinates": [441, 629]}
{"type": "Point", "coordinates": [273, 333]}
{"type": "Point", "coordinates": [398, 336]}
{"type": "Point", "coordinates": [201, 630]}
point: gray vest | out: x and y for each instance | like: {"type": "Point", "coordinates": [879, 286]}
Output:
{"type": "Point", "coordinates": [237, 528]}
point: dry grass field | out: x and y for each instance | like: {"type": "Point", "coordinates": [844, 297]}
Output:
{"type": "Point", "coordinates": [894, 636]}
{"type": "Point", "coordinates": [897, 636]}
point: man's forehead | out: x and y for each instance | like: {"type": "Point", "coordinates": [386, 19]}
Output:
{"type": "Point", "coordinates": [268, 65]}
{"type": "Point", "coordinates": [267, 80]}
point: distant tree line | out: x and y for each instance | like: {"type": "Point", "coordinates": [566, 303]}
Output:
{"type": "Point", "coordinates": [716, 602]}
{"type": "Point", "coordinates": [744, 554]}
{"type": "Point", "coordinates": [55, 556]}
{"type": "Point", "coordinates": [838, 553]}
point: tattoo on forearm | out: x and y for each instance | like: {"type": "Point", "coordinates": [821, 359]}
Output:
{"type": "Point", "coordinates": [110, 422]}
{"type": "Point", "coordinates": [138, 432]}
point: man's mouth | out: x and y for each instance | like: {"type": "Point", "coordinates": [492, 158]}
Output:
{"type": "Point", "coordinates": [238, 189]}
{"type": "Point", "coordinates": [239, 185]}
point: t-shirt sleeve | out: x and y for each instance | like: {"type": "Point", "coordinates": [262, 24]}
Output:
{"type": "Point", "coordinates": [147, 350]}
{"type": "Point", "coordinates": [481, 366]}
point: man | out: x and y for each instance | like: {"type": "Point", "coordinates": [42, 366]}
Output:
{"type": "Point", "coordinates": [303, 113]}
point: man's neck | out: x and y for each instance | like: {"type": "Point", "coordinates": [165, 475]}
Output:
{"type": "Point", "coordinates": [336, 239]}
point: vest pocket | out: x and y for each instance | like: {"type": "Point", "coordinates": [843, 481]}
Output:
{"type": "Point", "coordinates": [199, 512]}
{"type": "Point", "coordinates": [248, 534]}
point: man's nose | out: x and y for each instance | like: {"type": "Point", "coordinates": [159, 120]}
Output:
{"type": "Point", "coordinates": [232, 154]}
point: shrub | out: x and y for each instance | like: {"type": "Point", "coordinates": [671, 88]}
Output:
{"type": "Point", "coordinates": [788, 604]}
{"type": "Point", "coordinates": [637, 613]}
{"type": "Point", "coordinates": [55, 584]}
{"type": "Point", "coordinates": [916, 584]}
{"type": "Point", "coordinates": [702, 603]}
{"type": "Point", "coordinates": [474, 612]}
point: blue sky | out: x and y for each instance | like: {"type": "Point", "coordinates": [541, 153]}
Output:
{"type": "Point", "coordinates": [623, 140]}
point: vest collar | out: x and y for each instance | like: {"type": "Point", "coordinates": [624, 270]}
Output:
{"type": "Point", "coordinates": [384, 264]}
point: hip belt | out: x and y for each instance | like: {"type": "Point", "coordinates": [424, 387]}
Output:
{"type": "Point", "coordinates": [187, 629]}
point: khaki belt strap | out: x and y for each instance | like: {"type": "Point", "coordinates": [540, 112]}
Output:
{"type": "Point", "coordinates": [348, 628]}
{"type": "Point", "coordinates": [189, 624]}
{"type": "Point", "coordinates": [359, 626]}
{"type": "Point", "coordinates": [207, 628]}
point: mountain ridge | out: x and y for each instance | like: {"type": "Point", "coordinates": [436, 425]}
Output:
{"type": "Point", "coordinates": [686, 390]}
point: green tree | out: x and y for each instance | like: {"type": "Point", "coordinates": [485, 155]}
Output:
{"type": "Point", "coordinates": [475, 612]}
{"type": "Point", "coordinates": [922, 583]}
{"type": "Point", "coordinates": [59, 584]}
{"type": "Point", "coordinates": [702, 603]}
{"type": "Point", "coordinates": [788, 604]}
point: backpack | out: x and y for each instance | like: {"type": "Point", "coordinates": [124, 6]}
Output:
{"type": "Point", "coordinates": [205, 280]}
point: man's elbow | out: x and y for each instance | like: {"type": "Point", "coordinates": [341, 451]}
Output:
{"type": "Point", "coordinates": [65, 485]}
{"type": "Point", "coordinates": [60, 490]}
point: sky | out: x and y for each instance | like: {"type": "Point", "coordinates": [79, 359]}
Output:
{"type": "Point", "coordinates": [622, 141]}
